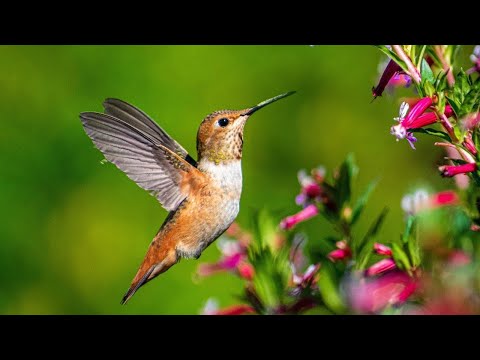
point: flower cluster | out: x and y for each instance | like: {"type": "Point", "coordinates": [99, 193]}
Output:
{"type": "Point", "coordinates": [451, 101]}
{"type": "Point", "coordinates": [432, 268]}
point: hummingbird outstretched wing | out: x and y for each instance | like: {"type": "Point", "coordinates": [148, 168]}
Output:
{"type": "Point", "coordinates": [139, 119]}
{"type": "Point", "coordinates": [137, 147]}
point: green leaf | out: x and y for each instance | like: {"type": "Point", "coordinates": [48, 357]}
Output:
{"type": "Point", "coordinates": [428, 89]}
{"type": "Point", "coordinates": [400, 257]}
{"type": "Point", "coordinates": [362, 201]}
{"type": "Point", "coordinates": [264, 229]}
{"type": "Point", "coordinates": [372, 231]}
{"type": "Point", "coordinates": [271, 275]}
{"type": "Point", "coordinates": [420, 55]}
{"type": "Point", "coordinates": [328, 288]}
{"type": "Point", "coordinates": [409, 227]}
{"type": "Point", "coordinates": [426, 73]}
{"type": "Point", "coordinates": [440, 134]}
{"type": "Point", "coordinates": [348, 170]}
{"type": "Point", "coordinates": [392, 55]}
{"type": "Point", "coordinates": [454, 104]}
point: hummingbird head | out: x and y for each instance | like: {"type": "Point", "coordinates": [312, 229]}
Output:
{"type": "Point", "coordinates": [220, 135]}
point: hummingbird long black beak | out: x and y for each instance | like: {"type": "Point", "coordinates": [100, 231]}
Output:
{"type": "Point", "coordinates": [267, 102]}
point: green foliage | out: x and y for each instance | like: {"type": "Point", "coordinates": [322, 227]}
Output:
{"type": "Point", "coordinates": [465, 97]}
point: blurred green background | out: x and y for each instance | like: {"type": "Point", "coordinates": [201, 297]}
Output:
{"type": "Point", "coordinates": [74, 231]}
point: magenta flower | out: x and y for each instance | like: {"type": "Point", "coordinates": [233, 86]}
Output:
{"type": "Point", "coordinates": [371, 295]}
{"type": "Point", "coordinates": [452, 170]}
{"type": "Point", "coordinates": [444, 198]}
{"type": "Point", "coordinates": [342, 252]}
{"type": "Point", "coordinates": [421, 200]}
{"type": "Point", "coordinates": [233, 259]}
{"type": "Point", "coordinates": [388, 74]}
{"type": "Point", "coordinates": [311, 189]}
{"type": "Point", "coordinates": [468, 143]}
{"type": "Point", "coordinates": [380, 267]}
{"type": "Point", "coordinates": [211, 308]}
{"type": "Point", "coordinates": [413, 120]}
{"type": "Point", "coordinates": [303, 215]}
{"type": "Point", "coordinates": [381, 249]}
{"type": "Point", "coordinates": [470, 121]}
{"type": "Point", "coordinates": [459, 258]}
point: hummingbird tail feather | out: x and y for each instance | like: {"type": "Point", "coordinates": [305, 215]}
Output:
{"type": "Point", "coordinates": [151, 268]}
{"type": "Point", "coordinates": [136, 285]}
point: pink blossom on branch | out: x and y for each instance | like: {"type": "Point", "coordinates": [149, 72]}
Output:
{"type": "Point", "coordinates": [452, 170]}
{"type": "Point", "coordinates": [233, 259]}
{"type": "Point", "coordinates": [303, 215]}
{"type": "Point", "coordinates": [415, 119]}
{"type": "Point", "coordinates": [371, 295]}
{"type": "Point", "coordinates": [392, 75]}
{"type": "Point", "coordinates": [380, 267]}
{"type": "Point", "coordinates": [342, 252]}
{"type": "Point", "coordinates": [211, 308]}
{"type": "Point", "coordinates": [381, 249]}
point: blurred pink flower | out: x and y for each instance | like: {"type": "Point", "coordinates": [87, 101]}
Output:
{"type": "Point", "coordinates": [211, 308]}
{"type": "Point", "coordinates": [370, 295]}
{"type": "Point", "coordinates": [452, 170]}
{"type": "Point", "coordinates": [342, 252]}
{"type": "Point", "coordinates": [311, 186]}
{"type": "Point", "coordinates": [459, 258]}
{"type": "Point", "coordinates": [444, 198]}
{"type": "Point", "coordinates": [380, 267]}
{"type": "Point", "coordinates": [468, 143]}
{"type": "Point", "coordinates": [233, 259]}
{"type": "Point", "coordinates": [421, 200]}
{"type": "Point", "coordinates": [381, 249]}
{"type": "Point", "coordinates": [303, 215]}
{"type": "Point", "coordinates": [391, 76]}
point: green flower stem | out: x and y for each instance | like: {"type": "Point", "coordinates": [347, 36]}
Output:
{"type": "Point", "coordinates": [447, 126]}
{"type": "Point", "coordinates": [413, 71]}
{"type": "Point", "coordinates": [446, 67]}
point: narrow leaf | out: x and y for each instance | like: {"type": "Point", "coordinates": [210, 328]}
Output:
{"type": "Point", "coordinates": [440, 134]}
{"type": "Point", "coordinates": [362, 201]}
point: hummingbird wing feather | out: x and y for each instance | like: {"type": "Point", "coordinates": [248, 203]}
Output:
{"type": "Point", "coordinates": [142, 157]}
{"type": "Point", "coordinates": [140, 120]}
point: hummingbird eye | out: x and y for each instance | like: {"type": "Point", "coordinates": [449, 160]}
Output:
{"type": "Point", "coordinates": [223, 122]}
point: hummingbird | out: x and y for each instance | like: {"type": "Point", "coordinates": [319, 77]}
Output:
{"type": "Point", "coordinates": [202, 197]}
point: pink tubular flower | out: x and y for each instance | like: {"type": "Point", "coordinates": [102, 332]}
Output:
{"type": "Point", "coordinates": [307, 213]}
{"type": "Point", "coordinates": [342, 252]}
{"type": "Point", "coordinates": [413, 119]}
{"type": "Point", "coordinates": [458, 258]}
{"type": "Point", "coordinates": [239, 309]}
{"type": "Point", "coordinates": [381, 249]}
{"type": "Point", "coordinates": [233, 259]}
{"type": "Point", "coordinates": [380, 267]}
{"type": "Point", "coordinates": [444, 198]}
{"type": "Point", "coordinates": [390, 71]}
{"type": "Point", "coordinates": [370, 295]}
{"type": "Point", "coordinates": [246, 270]}
{"type": "Point", "coordinates": [470, 121]}
{"type": "Point", "coordinates": [468, 143]}
{"type": "Point", "coordinates": [311, 186]}
{"type": "Point", "coordinates": [452, 170]}
{"type": "Point", "coordinates": [211, 308]}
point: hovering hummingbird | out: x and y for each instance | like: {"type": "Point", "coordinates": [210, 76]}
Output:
{"type": "Point", "coordinates": [202, 197]}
